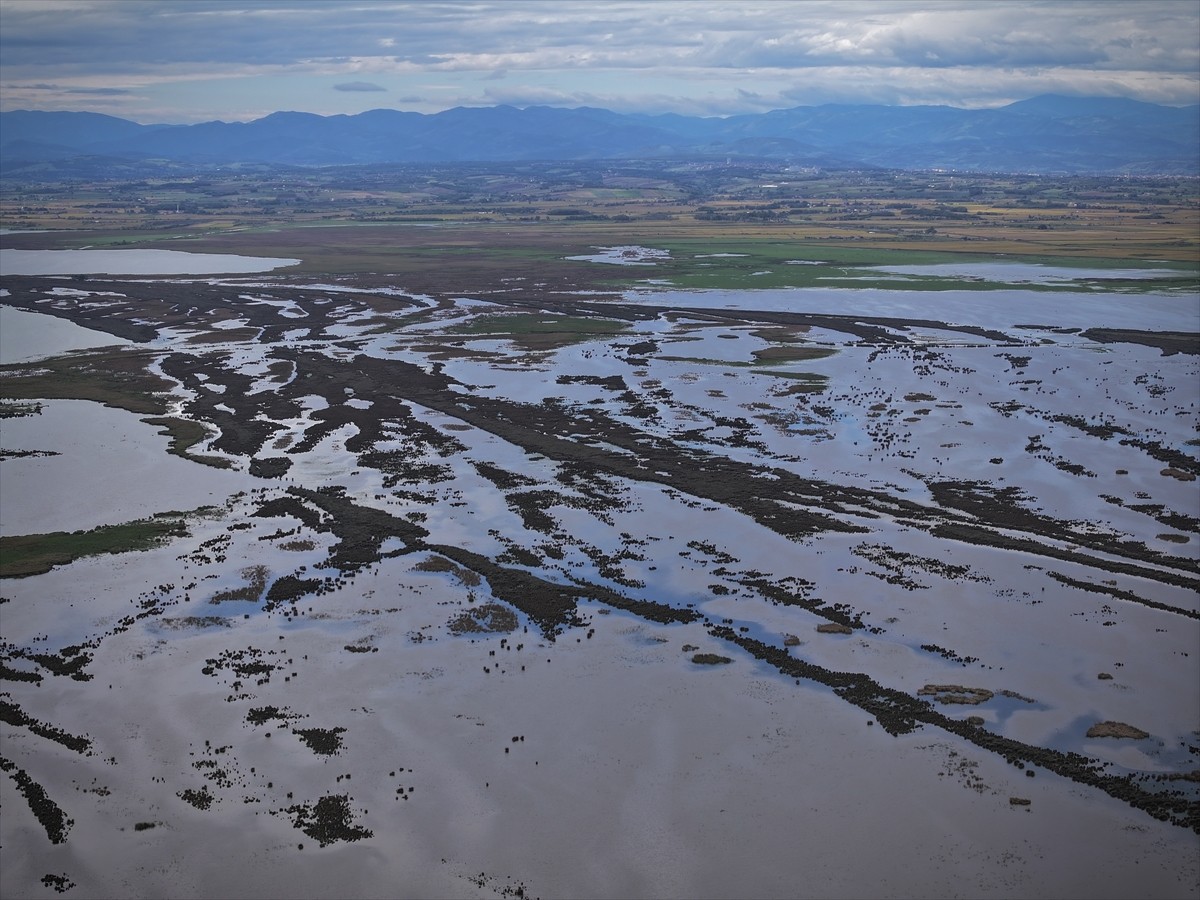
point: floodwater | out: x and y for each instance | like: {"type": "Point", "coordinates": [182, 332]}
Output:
{"type": "Point", "coordinates": [108, 467]}
{"type": "Point", "coordinates": [615, 729]}
{"type": "Point", "coordinates": [132, 262]}
{"type": "Point", "coordinates": [1022, 273]}
{"type": "Point", "coordinates": [26, 336]}
{"type": "Point", "coordinates": [629, 255]}
{"type": "Point", "coordinates": [62, 492]}
{"type": "Point", "coordinates": [986, 309]}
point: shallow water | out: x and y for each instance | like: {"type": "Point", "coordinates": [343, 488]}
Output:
{"type": "Point", "coordinates": [986, 309]}
{"type": "Point", "coordinates": [111, 468]}
{"type": "Point", "coordinates": [131, 262]}
{"type": "Point", "coordinates": [26, 336]}
{"type": "Point", "coordinates": [1014, 272]}
{"type": "Point", "coordinates": [625, 256]}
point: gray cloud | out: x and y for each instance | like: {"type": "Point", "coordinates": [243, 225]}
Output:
{"type": "Point", "coordinates": [132, 34]}
{"type": "Point", "coordinates": [83, 91]}
{"type": "Point", "coordinates": [719, 55]}
{"type": "Point", "coordinates": [99, 92]}
{"type": "Point", "coordinates": [93, 91]}
{"type": "Point", "coordinates": [362, 86]}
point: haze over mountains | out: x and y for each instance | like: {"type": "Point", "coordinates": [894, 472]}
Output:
{"type": "Point", "coordinates": [1049, 134]}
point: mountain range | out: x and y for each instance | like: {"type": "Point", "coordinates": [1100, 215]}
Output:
{"type": "Point", "coordinates": [1049, 134]}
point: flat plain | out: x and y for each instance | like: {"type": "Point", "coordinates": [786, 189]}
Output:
{"type": "Point", "coordinates": [591, 531]}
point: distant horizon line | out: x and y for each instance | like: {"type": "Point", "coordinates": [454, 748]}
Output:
{"type": "Point", "coordinates": [518, 106]}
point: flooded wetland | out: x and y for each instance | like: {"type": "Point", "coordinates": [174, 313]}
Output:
{"type": "Point", "coordinates": [595, 561]}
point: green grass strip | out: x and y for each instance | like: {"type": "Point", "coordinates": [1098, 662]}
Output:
{"type": "Point", "coordinates": [34, 554]}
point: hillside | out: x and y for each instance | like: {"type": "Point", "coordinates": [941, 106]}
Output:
{"type": "Point", "coordinates": [1043, 135]}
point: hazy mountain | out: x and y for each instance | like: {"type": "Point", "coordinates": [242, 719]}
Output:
{"type": "Point", "coordinates": [1049, 134]}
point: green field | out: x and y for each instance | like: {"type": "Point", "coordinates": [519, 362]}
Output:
{"type": "Point", "coordinates": [34, 554]}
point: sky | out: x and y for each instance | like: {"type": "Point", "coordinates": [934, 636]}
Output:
{"type": "Point", "coordinates": [182, 61]}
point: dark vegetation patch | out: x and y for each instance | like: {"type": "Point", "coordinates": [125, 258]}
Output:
{"type": "Point", "coordinates": [290, 588]}
{"type": "Point", "coordinates": [26, 454]}
{"type": "Point", "coordinates": [251, 591]}
{"type": "Point", "coordinates": [322, 741]}
{"type": "Point", "coordinates": [1111, 591]}
{"type": "Point", "coordinates": [60, 883]}
{"type": "Point", "coordinates": [1158, 512]}
{"type": "Point", "coordinates": [8, 673]}
{"type": "Point", "coordinates": [1169, 342]}
{"type": "Point", "coordinates": [710, 659]}
{"type": "Point", "coordinates": [552, 606]}
{"type": "Point", "coordinates": [488, 618]}
{"type": "Point", "coordinates": [117, 378]}
{"type": "Point", "coordinates": [242, 664]}
{"type": "Point", "coordinates": [12, 714]}
{"type": "Point", "coordinates": [48, 813]}
{"type": "Point", "coordinates": [974, 534]}
{"type": "Point", "coordinates": [201, 799]}
{"type": "Point", "coordinates": [361, 530]}
{"type": "Point", "coordinates": [502, 478]}
{"type": "Point", "coordinates": [19, 410]}
{"type": "Point", "coordinates": [270, 466]}
{"type": "Point", "coordinates": [71, 661]}
{"type": "Point", "coordinates": [242, 432]}
{"type": "Point", "coordinates": [792, 354]}
{"type": "Point", "coordinates": [949, 654]}
{"type": "Point", "coordinates": [541, 331]}
{"type": "Point", "coordinates": [1004, 507]}
{"type": "Point", "coordinates": [571, 436]}
{"type": "Point", "coordinates": [898, 562]}
{"type": "Point", "coordinates": [1186, 464]}
{"type": "Point", "coordinates": [531, 506]}
{"type": "Point", "coordinates": [261, 715]}
{"type": "Point", "coordinates": [328, 821]}
{"type": "Point", "coordinates": [280, 507]}
{"type": "Point", "coordinates": [608, 382]}
{"type": "Point", "coordinates": [792, 591]}
{"type": "Point", "coordinates": [298, 545]}
{"type": "Point", "coordinates": [185, 434]}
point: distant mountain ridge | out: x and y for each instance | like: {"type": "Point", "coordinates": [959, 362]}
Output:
{"type": "Point", "coordinates": [1050, 134]}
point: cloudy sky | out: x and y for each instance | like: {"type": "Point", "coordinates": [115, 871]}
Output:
{"type": "Point", "coordinates": [197, 60]}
